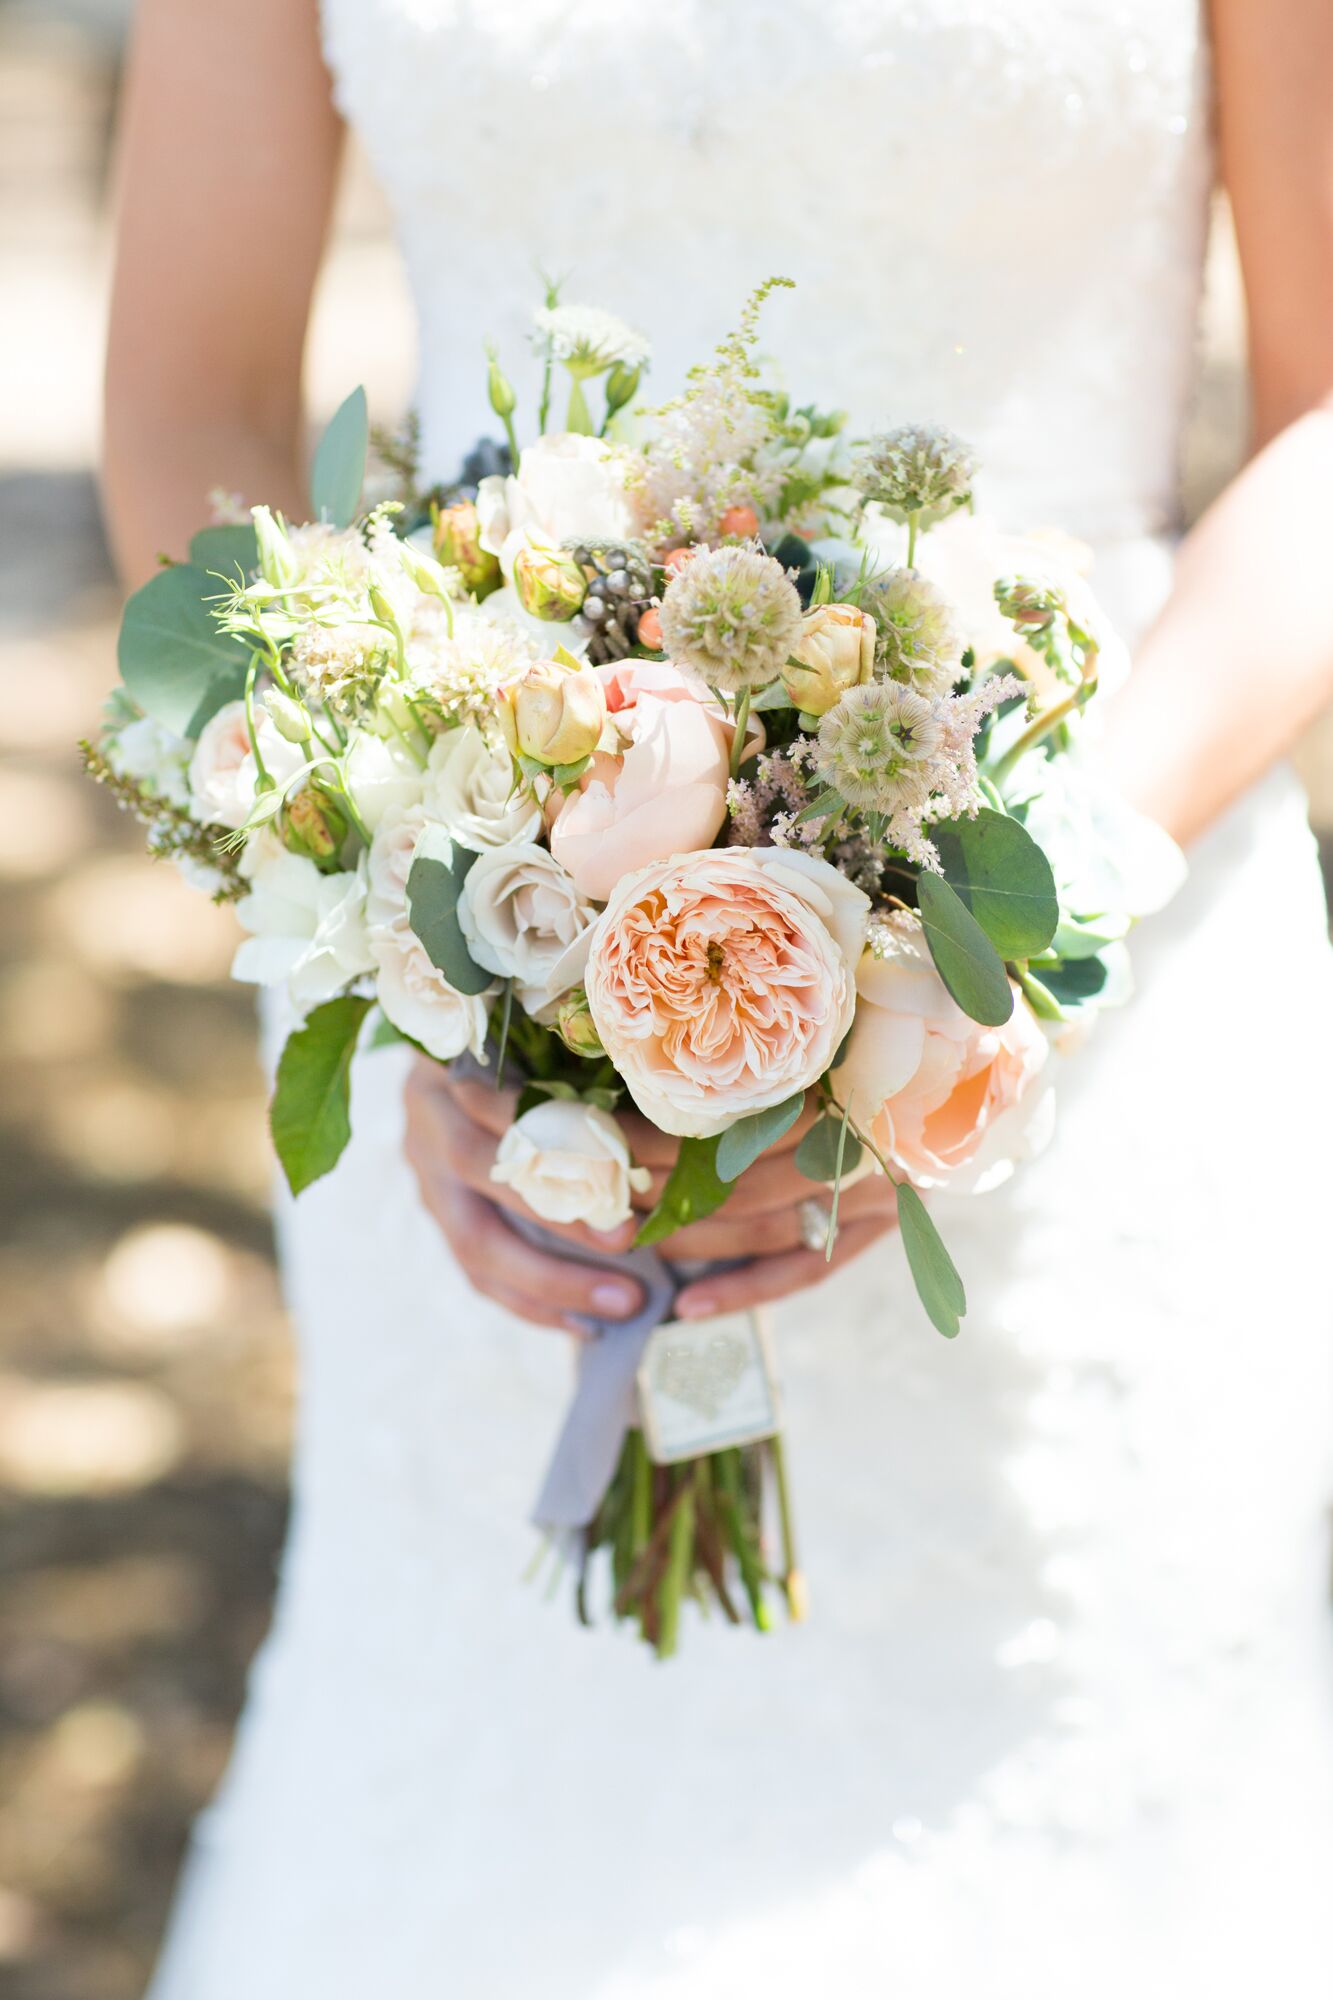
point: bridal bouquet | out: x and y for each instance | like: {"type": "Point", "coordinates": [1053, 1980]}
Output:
{"type": "Point", "coordinates": [709, 761]}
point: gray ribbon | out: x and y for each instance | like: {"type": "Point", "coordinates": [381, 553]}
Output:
{"type": "Point", "coordinates": [604, 1408]}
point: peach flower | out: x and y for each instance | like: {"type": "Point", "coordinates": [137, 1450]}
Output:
{"type": "Point", "coordinates": [664, 792]}
{"type": "Point", "coordinates": [722, 983]}
{"type": "Point", "coordinates": [947, 1101]}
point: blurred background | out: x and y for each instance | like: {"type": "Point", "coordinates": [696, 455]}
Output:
{"type": "Point", "coordinates": [145, 1379]}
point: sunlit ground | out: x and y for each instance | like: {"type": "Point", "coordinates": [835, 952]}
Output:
{"type": "Point", "coordinates": [144, 1374]}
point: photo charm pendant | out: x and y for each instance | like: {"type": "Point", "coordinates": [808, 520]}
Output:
{"type": "Point", "coordinates": [708, 1384]}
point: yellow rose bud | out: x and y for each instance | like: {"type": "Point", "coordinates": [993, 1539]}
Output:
{"type": "Point", "coordinates": [457, 537]}
{"type": "Point", "coordinates": [575, 1025]}
{"type": "Point", "coordinates": [835, 651]}
{"type": "Point", "coordinates": [556, 713]}
{"type": "Point", "coordinates": [550, 584]}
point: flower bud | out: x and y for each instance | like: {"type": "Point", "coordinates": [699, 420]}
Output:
{"type": "Point", "coordinates": [500, 390]}
{"type": "Point", "coordinates": [429, 576]}
{"type": "Point", "coordinates": [742, 521]}
{"type": "Point", "coordinates": [556, 713]}
{"type": "Point", "coordinates": [457, 538]}
{"type": "Point", "coordinates": [278, 563]}
{"type": "Point", "coordinates": [835, 651]}
{"type": "Point", "coordinates": [575, 1026]}
{"type": "Point", "coordinates": [313, 826]}
{"type": "Point", "coordinates": [288, 717]}
{"type": "Point", "coordinates": [550, 584]}
{"type": "Point", "coordinates": [620, 387]}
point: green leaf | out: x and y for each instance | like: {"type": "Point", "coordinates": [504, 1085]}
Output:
{"type": "Point", "coordinates": [339, 469]}
{"type": "Point", "coordinates": [434, 883]}
{"type": "Point", "coordinates": [694, 1189]}
{"type": "Point", "coordinates": [310, 1116]}
{"type": "Point", "coordinates": [226, 549]}
{"type": "Point", "coordinates": [383, 1034]}
{"type": "Point", "coordinates": [1000, 873]}
{"type": "Point", "coordinates": [742, 1143]}
{"type": "Point", "coordinates": [964, 956]}
{"type": "Point", "coordinates": [175, 660]}
{"type": "Point", "coordinates": [938, 1284]}
{"type": "Point", "coordinates": [818, 1153]}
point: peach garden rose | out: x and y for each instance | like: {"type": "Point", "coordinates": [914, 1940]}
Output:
{"type": "Point", "coordinates": [947, 1101]}
{"type": "Point", "coordinates": [723, 982]}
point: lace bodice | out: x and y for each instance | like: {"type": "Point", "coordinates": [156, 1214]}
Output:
{"type": "Point", "coordinates": [994, 209]}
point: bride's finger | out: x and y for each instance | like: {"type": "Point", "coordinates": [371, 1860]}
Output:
{"type": "Point", "coordinates": [499, 1263]}
{"type": "Point", "coordinates": [772, 1278]}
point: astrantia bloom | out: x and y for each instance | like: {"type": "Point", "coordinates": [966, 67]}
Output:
{"type": "Point", "coordinates": [917, 640]}
{"type": "Point", "coordinates": [732, 616]}
{"type": "Point", "coordinates": [918, 468]}
{"type": "Point", "coordinates": [721, 983]}
{"type": "Point", "coordinates": [589, 341]}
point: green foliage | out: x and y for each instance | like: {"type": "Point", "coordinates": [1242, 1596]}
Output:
{"type": "Point", "coordinates": [434, 883]}
{"type": "Point", "coordinates": [824, 1146]}
{"type": "Point", "coordinates": [310, 1116]}
{"type": "Point", "coordinates": [175, 660]}
{"type": "Point", "coordinates": [998, 871]}
{"type": "Point", "coordinates": [339, 468]}
{"type": "Point", "coordinates": [742, 1143]}
{"type": "Point", "coordinates": [938, 1284]}
{"type": "Point", "coordinates": [964, 956]}
{"type": "Point", "coordinates": [694, 1189]}
{"type": "Point", "coordinates": [226, 549]}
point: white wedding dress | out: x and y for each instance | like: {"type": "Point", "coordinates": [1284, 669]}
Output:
{"type": "Point", "coordinates": [1062, 1717]}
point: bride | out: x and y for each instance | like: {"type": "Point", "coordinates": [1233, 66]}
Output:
{"type": "Point", "coordinates": [1061, 1717]}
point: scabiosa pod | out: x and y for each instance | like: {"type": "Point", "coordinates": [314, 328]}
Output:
{"type": "Point", "coordinates": [918, 472]}
{"type": "Point", "coordinates": [875, 745]}
{"type": "Point", "coordinates": [732, 616]}
{"type": "Point", "coordinates": [917, 640]}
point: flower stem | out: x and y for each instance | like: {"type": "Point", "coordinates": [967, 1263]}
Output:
{"type": "Point", "coordinates": [579, 416]}
{"type": "Point", "coordinates": [793, 1581]}
{"type": "Point", "coordinates": [1049, 719]}
{"type": "Point", "coordinates": [741, 723]}
{"type": "Point", "coordinates": [913, 528]}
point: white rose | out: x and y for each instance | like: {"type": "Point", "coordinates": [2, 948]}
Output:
{"type": "Point", "coordinates": [520, 914]}
{"type": "Point", "coordinates": [307, 929]}
{"type": "Point", "coordinates": [223, 772]}
{"type": "Point", "coordinates": [389, 862]}
{"type": "Point", "coordinates": [470, 787]}
{"type": "Point", "coordinates": [569, 1163]}
{"type": "Point", "coordinates": [419, 1000]}
{"type": "Point", "coordinates": [567, 488]}
{"type": "Point", "coordinates": [154, 756]}
{"type": "Point", "coordinates": [380, 777]}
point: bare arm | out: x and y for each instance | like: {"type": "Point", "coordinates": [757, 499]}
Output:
{"type": "Point", "coordinates": [1241, 658]}
{"type": "Point", "coordinates": [229, 149]}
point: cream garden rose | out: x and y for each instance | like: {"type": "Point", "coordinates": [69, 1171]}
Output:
{"type": "Point", "coordinates": [470, 788]}
{"type": "Point", "coordinates": [223, 771]}
{"type": "Point", "coordinates": [308, 930]}
{"type": "Point", "coordinates": [947, 1101]}
{"type": "Point", "coordinates": [721, 983]}
{"type": "Point", "coordinates": [521, 913]}
{"type": "Point", "coordinates": [419, 1000]}
{"type": "Point", "coordinates": [555, 714]}
{"type": "Point", "coordinates": [567, 488]}
{"type": "Point", "coordinates": [570, 1163]}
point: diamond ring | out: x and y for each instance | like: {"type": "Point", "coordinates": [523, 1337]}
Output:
{"type": "Point", "coordinates": [814, 1217]}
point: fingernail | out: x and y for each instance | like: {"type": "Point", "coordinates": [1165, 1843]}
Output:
{"type": "Point", "coordinates": [690, 1307]}
{"type": "Point", "coordinates": [614, 1298]}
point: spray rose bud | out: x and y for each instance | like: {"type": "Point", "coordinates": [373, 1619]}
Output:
{"type": "Point", "coordinates": [550, 584]}
{"type": "Point", "coordinates": [313, 826]}
{"type": "Point", "coordinates": [836, 651]}
{"type": "Point", "coordinates": [575, 1025]}
{"type": "Point", "coordinates": [457, 537]}
{"type": "Point", "coordinates": [556, 713]}
{"type": "Point", "coordinates": [288, 717]}
{"type": "Point", "coordinates": [499, 389]}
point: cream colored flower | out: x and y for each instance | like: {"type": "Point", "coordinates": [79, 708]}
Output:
{"type": "Point", "coordinates": [835, 651]}
{"type": "Point", "coordinates": [419, 1000]}
{"type": "Point", "coordinates": [470, 788]}
{"type": "Point", "coordinates": [555, 714]}
{"type": "Point", "coordinates": [520, 913]}
{"type": "Point", "coordinates": [570, 1163]}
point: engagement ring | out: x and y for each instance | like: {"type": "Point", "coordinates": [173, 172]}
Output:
{"type": "Point", "coordinates": [814, 1217]}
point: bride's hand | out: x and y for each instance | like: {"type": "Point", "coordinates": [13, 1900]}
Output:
{"type": "Point", "coordinates": [452, 1131]}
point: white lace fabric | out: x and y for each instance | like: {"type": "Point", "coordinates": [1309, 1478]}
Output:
{"type": "Point", "coordinates": [1060, 1720]}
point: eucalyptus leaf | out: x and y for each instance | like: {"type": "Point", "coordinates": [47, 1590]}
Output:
{"type": "Point", "coordinates": [434, 884]}
{"type": "Point", "coordinates": [227, 548]}
{"type": "Point", "coordinates": [742, 1143]}
{"type": "Point", "coordinates": [310, 1116]}
{"type": "Point", "coordinates": [964, 956]}
{"type": "Point", "coordinates": [175, 660]}
{"type": "Point", "coordinates": [817, 1155]}
{"type": "Point", "coordinates": [998, 871]}
{"type": "Point", "coordinates": [938, 1284]}
{"type": "Point", "coordinates": [339, 468]}
{"type": "Point", "coordinates": [694, 1189]}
